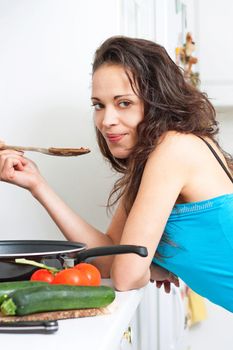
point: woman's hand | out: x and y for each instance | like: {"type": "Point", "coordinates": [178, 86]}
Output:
{"type": "Point", "coordinates": [18, 170]}
{"type": "Point", "coordinates": [163, 277]}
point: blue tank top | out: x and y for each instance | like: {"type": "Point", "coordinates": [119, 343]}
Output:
{"type": "Point", "coordinates": [200, 251]}
{"type": "Point", "coordinates": [201, 248]}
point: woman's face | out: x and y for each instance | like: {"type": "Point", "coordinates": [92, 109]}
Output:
{"type": "Point", "coordinates": [117, 109]}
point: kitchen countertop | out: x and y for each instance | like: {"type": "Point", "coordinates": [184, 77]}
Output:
{"type": "Point", "coordinates": [99, 332]}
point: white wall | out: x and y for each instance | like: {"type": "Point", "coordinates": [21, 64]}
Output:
{"type": "Point", "coordinates": [215, 28]}
{"type": "Point", "coordinates": [46, 50]}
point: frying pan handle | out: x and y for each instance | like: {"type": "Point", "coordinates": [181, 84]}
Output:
{"type": "Point", "coordinates": [110, 250]}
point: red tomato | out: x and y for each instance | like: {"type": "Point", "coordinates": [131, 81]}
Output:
{"type": "Point", "coordinates": [91, 272]}
{"type": "Point", "coordinates": [71, 276]}
{"type": "Point", "coordinates": [42, 275]}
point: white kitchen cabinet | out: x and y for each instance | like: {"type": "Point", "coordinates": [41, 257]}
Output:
{"type": "Point", "coordinates": [160, 321]}
{"type": "Point", "coordinates": [142, 332]}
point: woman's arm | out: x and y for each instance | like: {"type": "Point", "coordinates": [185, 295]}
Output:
{"type": "Point", "coordinates": [164, 177]}
{"type": "Point", "coordinates": [18, 170]}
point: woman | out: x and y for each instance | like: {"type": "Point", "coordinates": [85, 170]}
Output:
{"type": "Point", "coordinates": [173, 195]}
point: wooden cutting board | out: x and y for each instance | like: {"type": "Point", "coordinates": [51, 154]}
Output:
{"type": "Point", "coordinates": [58, 315]}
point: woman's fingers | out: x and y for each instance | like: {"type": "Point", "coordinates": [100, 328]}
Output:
{"type": "Point", "coordinates": [8, 153]}
{"type": "Point", "coordinates": [167, 283]}
{"type": "Point", "coordinates": [159, 284]}
{"type": "Point", "coordinates": [9, 163]}
{"type": "Point", "coordinates": [9, 167]}
{"type": "Point", "coordinates": [174, 279]}
{"type": "Point", "coordinates": [176, 282]}
{"type": "Point", "coordinates": [167, 286]}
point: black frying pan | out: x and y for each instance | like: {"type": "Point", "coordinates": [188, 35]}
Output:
{"type": "Point", "coordinates": [51, 251]}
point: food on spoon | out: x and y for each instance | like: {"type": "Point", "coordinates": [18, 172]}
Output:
{"type": "Point", "coordinates": [68, 151]}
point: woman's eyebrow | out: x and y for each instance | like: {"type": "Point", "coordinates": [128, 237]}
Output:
{"type": "Point", "coordinates": [124, 95]}
{"type": "Point", "coordinates": [115, 97]}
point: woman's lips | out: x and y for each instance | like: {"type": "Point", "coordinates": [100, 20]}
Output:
{"type": "Point", "coordinates": [114, 137]}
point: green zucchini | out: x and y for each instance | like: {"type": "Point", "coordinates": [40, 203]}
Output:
{"type": "Point", "coordinates": [54, 297]}
{"type": "Point", "coordinates": [9, 287]}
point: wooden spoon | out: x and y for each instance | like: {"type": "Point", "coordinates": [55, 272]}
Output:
{"type": "Point", "coordinates": [52, 151]}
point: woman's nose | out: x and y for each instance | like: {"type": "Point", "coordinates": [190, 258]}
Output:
{"type": "Point", "coordinates": [110, 117]}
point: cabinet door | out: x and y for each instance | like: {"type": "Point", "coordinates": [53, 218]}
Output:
{"type": "Point", "coordinates": [147, 318]}
{"type": "Point", "coordinates": [127, 341]}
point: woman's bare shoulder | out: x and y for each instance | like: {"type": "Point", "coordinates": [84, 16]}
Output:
{"type": "Point", "coordinates": [179, 145]}
{"type": "Point", "coordinates": [174, 137]}
{"type": "Point", "coordinates": [170, 160]}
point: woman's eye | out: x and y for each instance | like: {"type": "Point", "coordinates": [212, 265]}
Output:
{"type": "Point", "coordinates": [124, 104]}
{"type": "Point", "coordinates": [97, 106]}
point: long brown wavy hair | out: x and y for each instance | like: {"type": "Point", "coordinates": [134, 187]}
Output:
{"type": "Point", "coordinates": [170, 103]}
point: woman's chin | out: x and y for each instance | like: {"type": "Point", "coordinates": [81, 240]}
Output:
{"type": "Point", "coordinates": [123, 154]}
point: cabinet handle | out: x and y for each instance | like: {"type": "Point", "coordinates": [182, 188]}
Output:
{"type": "Point", "coordinates": [128, 335]}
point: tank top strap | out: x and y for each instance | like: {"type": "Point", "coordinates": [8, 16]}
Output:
{"type": "Point", "coordinates": [218, 158]}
